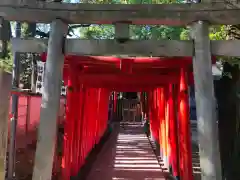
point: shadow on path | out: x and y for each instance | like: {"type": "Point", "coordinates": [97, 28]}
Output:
{"type": "Point", "coordinates": [127, 155]}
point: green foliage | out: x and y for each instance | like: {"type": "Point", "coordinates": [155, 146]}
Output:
{"type": "Point", "coordinates": [223, 32]}
{"type": "Point", "coordinates": [185, 34]}
{"type": "Point", "coordinates": [155, 32]}
{"type": "Point", "coordinates": [26, 69]}
{"type": "Point", "coordinates": [218, 32]}
{"type": "Point", "coordinates": [5, 55]}
{"type": "Point", "coordinates": [6, 63]}
{"type": "Point", "coordinates": [24, 30]}
{"type": "Point", "coordinates": [143, 32]}
{"type": "Point", "coordinates": [97, 32]}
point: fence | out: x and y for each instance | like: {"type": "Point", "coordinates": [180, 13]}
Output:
{"type": "Point", "coordinates": [29, 117]}
{"type": "Point", "coordinates": [128, 110]}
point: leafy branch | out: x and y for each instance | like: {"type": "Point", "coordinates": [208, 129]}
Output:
{"type": "Point", "coordinates": [70, 32]}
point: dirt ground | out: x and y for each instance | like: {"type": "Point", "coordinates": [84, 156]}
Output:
{"type": "Point", "coordinates": [24, 163]}
{"type": "Point", "coordinates": [25, 160]}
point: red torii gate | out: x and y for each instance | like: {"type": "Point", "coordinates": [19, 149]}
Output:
{"type": "Point", "coordinates": [90, 80]}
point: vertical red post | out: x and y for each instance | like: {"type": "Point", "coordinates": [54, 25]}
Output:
{"type": "Point", "coordinates": [78, 113]}
{"type": "Point", "coordinates": [81, 119]}
{"type": "Point", "coordinates": [150, 104]}
{"type": "Point", "coordinates": [84, 125]}
{"type": "Point", "coordinates": [94, 117]}
{"type": "Point", "coordinates": [115, 102]}
{"type": "Point", "coordinates": [167, 124]}
{"type": "Point", "coordinates": [155, 120]}
{"type": "Point", "coordinates": [162, 123]}
{"type": "Point", "coordinates": [98, 113]}
{"type": "Point", "coordinates": [153, 114]}
{"type": "Point", "coordinates": [69, 127]}
{"type": "Point", "coordinates": [75, 125]}
{"type": "Point", "coordinates": [184, 129]}
{"type": "Point", "coordinates": [87, 125]}
{"type": "Point", "coordinates": [89, 122]}
{"type": "Point", "coordinates": [173, 131]}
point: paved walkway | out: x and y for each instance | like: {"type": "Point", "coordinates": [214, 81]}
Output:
{"type": "Point", "coordinates": [195, 151]}
{"type": "Point", "coordinates": [127, 155]}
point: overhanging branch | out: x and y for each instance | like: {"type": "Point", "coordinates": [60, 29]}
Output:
{"type": "Point", "coordinates": [70, 30]}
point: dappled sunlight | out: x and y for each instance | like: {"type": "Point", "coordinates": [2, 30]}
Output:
{"type": "Point", "coordinates": [134, 157]}
{"type": "Point", "coordinates": [139, 169]}
{"type": "Point", "coordinates": [131, 157]}
{"type": "Point", "coordinates": [135, 161]}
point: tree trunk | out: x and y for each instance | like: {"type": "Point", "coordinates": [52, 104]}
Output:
{"type": "Point", "coordinates": [5, 35]}
{"type": "Point", "coordinates": [228, 111]}
{"type": "Point", "coordinates": [229, 114]}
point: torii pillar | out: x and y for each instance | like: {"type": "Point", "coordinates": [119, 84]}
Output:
{"type": "Point", "coordinates": [205, 103]}
{"type": "Point", "coordinates": [47, 130]}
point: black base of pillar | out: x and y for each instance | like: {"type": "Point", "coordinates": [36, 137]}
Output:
{"type": "Point", "coordinates": [171, 176]}
{"type": "Point", "coordinates": [171, 169]}
{"type": "Point", "coordinates": [177, 178]}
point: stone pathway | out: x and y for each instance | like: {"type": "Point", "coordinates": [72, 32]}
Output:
{"type": "Point", "coordinates": [195, 151]}
{"type": "Point", "coordinates": [127, 155]}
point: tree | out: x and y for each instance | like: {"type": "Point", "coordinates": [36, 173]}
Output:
{"type": "Point", "coordinates": [227, 93]}
{"type": "Point", "coordinates": [5, 55]}
{"type": "Point", "coordinates": [143, 32]}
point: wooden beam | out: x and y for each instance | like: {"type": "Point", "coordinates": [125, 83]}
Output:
{"type": "Point", "coordinates": [167, 14]}
{"type": "Point", "coordinates": [5, 91]}
{"type": "Point", "coordinates": [47, 129]}
{"type": "Point", "coordinates": [205, 103]}
{"type": "Point", "coordinates": [108, 47]}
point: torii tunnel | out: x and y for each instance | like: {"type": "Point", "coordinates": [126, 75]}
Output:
{"type": "Point", "coordinates": [91, 81]}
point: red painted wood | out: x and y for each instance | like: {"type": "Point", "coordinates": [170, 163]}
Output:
{"type": "Point", "coordinates": [68, 129]}
{"type": "Point", "coordinates": [134, 60]}
{"type": "Point", "coordinates": [185, 151]}
{"type": "Point", "coordinates": [162, 119]}
{"type": "Point", "coordinates": [128, 78]}
{"type": "Point", "coordinates": [35, 103]}
{"type": "Point", "coordinates": [173, 131]}
{"type": "Point", "coordinates": [95, 77]}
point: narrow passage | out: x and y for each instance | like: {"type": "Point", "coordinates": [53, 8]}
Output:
{"type": "Point", "coordinates": [127, 155]}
